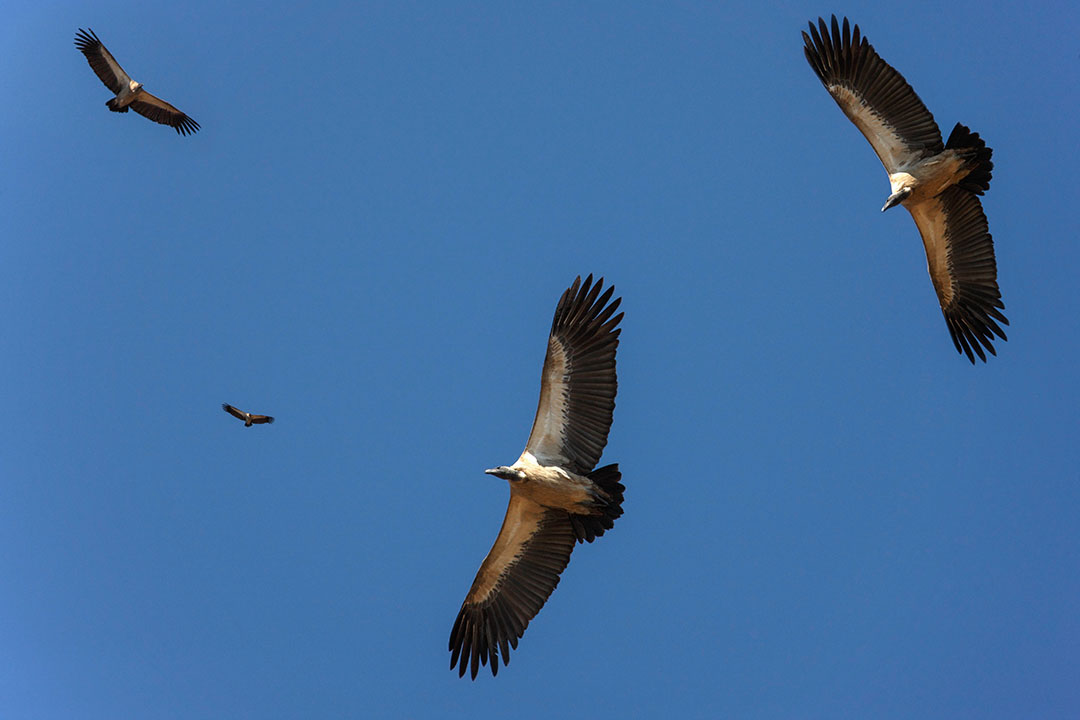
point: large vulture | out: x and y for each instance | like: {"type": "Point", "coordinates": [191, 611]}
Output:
{"type": "Point", "coordinates": [129, 94]}
{"type": "Point", "coordinates": [556, 498]}
{"type": "Point", "coordinates": [937, 183]}
{"type": "Point", "coordinates": [248, 418]}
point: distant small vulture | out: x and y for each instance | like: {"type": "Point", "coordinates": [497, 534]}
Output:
{"type": "Point", "coordinates": [129, 94]}
{"type": "Point", "coordinates": [937, 183]}
{"type": "Point", "coordinates": [248, 418]}
{"type": "Point", "coordinates": [556, 498]}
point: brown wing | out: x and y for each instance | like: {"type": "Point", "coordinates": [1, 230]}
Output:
{"type": "Point", "coordinates": [101, 61]}
{"type": "Point", "coordinates": [150, 106]}
{"type": "Point", "coordinates": [873, 95]}
{"type": "Point", "coordinates": [514, 581]}
{"type": "Point", "coordinates": [261, 419]}
{"type": "Point", "coordinates": [960, 258]}
{"type": "Point", "coordinates": [234, 412]}
{"type": "Point", "coordinates": [578, 383]}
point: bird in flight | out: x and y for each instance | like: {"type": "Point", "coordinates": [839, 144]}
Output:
{"type": "Point", "coordinates": [129, 94]}
{"type": "Point", "coordinates": [248, 418]}
{"type": "Point", "coordinates": [556, 498]}
{"type": "Point", "coordinates": [938, 183]}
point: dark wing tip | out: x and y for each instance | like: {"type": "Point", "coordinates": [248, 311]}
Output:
{"type": "Point", "coordinates": [164, 113]}
{"type": "Point", "coordinates": [490, 623]}
{"type": "Point", "coordinates": [972, 332]}
{"type": "Point", "coordinates": [86, 39]}
{"type": "Point", "coordinates": [842, 58]}
{"type": "Point", "coordinates": [585, 327]}
{"type": "Point", "coordinates": [185, 125]}
{"type": "Point", "coordinates": [473, 639]}
{"type": "Point", "coordinates": [975, 309]}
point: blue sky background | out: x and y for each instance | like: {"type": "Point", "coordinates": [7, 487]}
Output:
{"type": "Point", "coordinates": [829, 513]}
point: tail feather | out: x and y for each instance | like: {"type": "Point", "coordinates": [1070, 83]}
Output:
{"type": "Point", "coordinates": [111, 104]}
{"type": "Point", "coordinates": [589, 527]}
{"type": "Point", "coordinates": [978, 179]}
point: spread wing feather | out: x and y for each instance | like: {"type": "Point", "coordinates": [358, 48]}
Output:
{"type": "Point", "coordinates": [578, 383]}
{"type": "Point", "coordinates": [109, 72]}
{"type": "Point", "coordinates": [872, 94]}
{"type": "Point", "coordinates": [156, 109]}
{"type": "Point", "coordinates": [513, 583]}
{"type": "Point", "coordinates": [101, 61]}
{"type": "Point", "coordinates": [960, 258]}
{"type": "Point", "coordinates": [246, 417]}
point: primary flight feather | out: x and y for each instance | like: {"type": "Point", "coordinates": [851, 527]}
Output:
{"type": "Point", "coordinates": [248, 418]}
{"type": "Point", "coordinates": [937, 183]}
{"type": "Point", "coordinates": [556, 498]}
{"type": "Point", "coordinates": [129, 94]}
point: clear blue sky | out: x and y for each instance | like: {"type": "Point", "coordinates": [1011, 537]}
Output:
{"type": "Point", "coordinates": [829, 512]}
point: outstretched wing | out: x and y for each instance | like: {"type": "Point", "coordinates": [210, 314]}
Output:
{"type": "Point", "coordinates": [514, 581]}
{"type": "Point", "coordinates": [261, 419]}
{"type": "Point", "coordinates": [150, 106]}
{"type": "Point", "coordinates": [873, 95]}
{"type": "Point", "coordinates": [960, 258]}
{"type": "Point", "coordinates": [101, 61]}
{"type": "Point", "coordinates": [234, 411]}
{"type": "Point", "coordinates": [578, 383]}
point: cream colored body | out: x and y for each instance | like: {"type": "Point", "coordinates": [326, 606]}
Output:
{"type": "Point", "coordinates": [553, 486]}
{"type": "Point", "coordinates": [928, 178]}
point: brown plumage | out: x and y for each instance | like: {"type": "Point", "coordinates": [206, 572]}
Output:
{"type": "Point", "coordinates": [937, 183]}
{"type": "Point", "coordinates": [129, 94]}
{"type": "Point", "coordinates": [248, 418]}
{"type": "Point", "coordinates": [556, 498]}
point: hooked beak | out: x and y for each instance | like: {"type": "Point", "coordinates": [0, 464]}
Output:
{"type": "Point", "coordinates": [506, 473]}
{"type": "Point", "coordinates": [895, 199]}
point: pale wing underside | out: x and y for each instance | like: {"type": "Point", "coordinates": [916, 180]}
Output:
{"type": "Point", "coordinates": [873, 95]}
{"type": "Point", "coordinates": [960, 259]}
{"type": "Point", "coordinates": [156, 109]}
{"type": "Point", "coordinates": [101, 61]}
{"type": "Point", "coordinates": [513, 583]}
{"type": "Point", "coordinates": [578, 383]}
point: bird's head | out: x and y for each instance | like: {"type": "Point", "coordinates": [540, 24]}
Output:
{"type": "Point", "coordinates": [134, 85]}
{"type": "Point", "coordinates": [896, 198]}
{"type": "Point", "coordinates": [507, 473]}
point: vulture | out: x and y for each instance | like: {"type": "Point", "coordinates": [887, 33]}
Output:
{"type": "Point", "coordinates": [938, 183]}
{"type": "Point", "coordinates": [557, 499]}
{"type": "Point", "coordinates": [129, 94]}
{"type": "Point", "coordinates": [248, 418]}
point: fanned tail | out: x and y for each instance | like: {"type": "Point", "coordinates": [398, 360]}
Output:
{"type": "Point", "coordinates": [589, 527]}
{"type": "Point", "coordinates": [974, 147]}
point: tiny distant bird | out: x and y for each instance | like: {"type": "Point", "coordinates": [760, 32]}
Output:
{"type": "Point", "coordinates": [556, 498]}
{"type": "Point", "coordinates": [129, 94]}
{"type": "Point", "coordinates": [937, 183]}
{"type": "Point", "coordinates": [248, 418]}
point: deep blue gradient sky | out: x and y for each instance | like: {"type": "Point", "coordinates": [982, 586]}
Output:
{"type": "Point", "coordinates": [829, 513]}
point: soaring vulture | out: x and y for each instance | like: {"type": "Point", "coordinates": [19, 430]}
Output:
{"type": "Point", "coordinates": [556, 498]}
{"type": "Point", "coordinates": [937, 183]}
{"type": "Point", "coordinates": [248, 418]}
{"type": "Point", "coordinates": [129, 94]}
